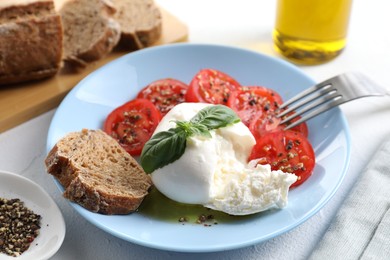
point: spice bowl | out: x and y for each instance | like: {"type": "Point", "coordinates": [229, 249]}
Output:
{"type": "Point", "coordinates": [34, 200]}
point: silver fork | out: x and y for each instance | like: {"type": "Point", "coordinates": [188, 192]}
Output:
{"type": "Point", "coordinates": [328, 94]}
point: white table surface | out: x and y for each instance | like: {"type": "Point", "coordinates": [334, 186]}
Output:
{"type": "Point", "coordinates": [248, 24]}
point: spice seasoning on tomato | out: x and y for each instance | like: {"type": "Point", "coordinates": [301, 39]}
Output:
{"type": "Point", "coordinates": [164, 93]}
{"type": "Point", "coordinates": [253, 102]}
{"type": "Point", "coordinates": [132, 124]}
{"type": "Point", "coordinates": [287, 151]}
{"type": "Point", "coordinates": [211, 86]}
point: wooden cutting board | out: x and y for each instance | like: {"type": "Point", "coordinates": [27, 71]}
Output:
{"type": "Point", "coordinates": [19, 103]}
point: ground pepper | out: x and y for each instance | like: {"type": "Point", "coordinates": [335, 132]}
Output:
{"type": "Point", "coordinates": [19, 226]}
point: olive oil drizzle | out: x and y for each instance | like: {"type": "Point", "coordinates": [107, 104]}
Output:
{"type": "Point", "coordinates": [157, 206]}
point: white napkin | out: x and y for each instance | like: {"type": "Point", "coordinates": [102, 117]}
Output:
{"type": "Point", "coordinates": [361, 227]}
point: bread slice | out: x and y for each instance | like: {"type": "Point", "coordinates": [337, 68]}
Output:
{"type": "Point", "coordinates": [98, 173]}
{"type": "Point", "coordinates": [90, 32]}
{"type": "Point", "coordinates": [30, 40]}
{"type": "Point", "coordinates": [140, 21]}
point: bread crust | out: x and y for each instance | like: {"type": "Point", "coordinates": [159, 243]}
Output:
{"type": "Point", "coordinates": [22, 9]}
{"type": "Point", "coordinates": [31, 42]}
{"type": "Point", "coordinates": [36, 41]}
{"type": "Point", "coordinates": [88, 187]}
{"type": "Point", "coordinates": [99, 201]}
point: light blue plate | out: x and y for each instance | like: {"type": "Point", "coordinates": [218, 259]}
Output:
{"type": "Point", "coordinates": [87, 105]}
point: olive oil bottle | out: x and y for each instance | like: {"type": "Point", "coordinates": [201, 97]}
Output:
{"type": "Point", "coordinates": [311, 31]}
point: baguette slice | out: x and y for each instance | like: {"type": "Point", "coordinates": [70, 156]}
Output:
{"type": "Point", "coordinates": [140, 22]}
{"type": "Point", "coordinates": [90, 32]}
{"type": "Point", "coordinates": [97, 173]}
{"type": "Point", "coordinates": [30, 40]}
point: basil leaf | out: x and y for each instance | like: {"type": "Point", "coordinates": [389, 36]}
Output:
{"type": "Point", "coordinates": [192, 129]}
{"type": "Point", "coordinates": [187, 127]}
{"type": "Point", "coordinates": [168, 146]}
{"type": "Point", "coordinates": [214, 117]}
{"type": "Point", "coordinates": [163, 148]}
{"type": "Point", "coordinates": [198, 129]}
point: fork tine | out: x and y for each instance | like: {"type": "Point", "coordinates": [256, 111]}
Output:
{"type": "Point", "coordinates": [326, 95]}
{"type": "Point", "coordinates": [314, 113]}
{"type": "Point", "coordinates": [318, 97]}
{"type": "Point", "coordinates": [306, 92]}
{"type": "Point", "coordinates": [310, 105]}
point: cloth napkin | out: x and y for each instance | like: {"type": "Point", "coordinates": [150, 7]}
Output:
{"type": "Point", "coordinates": [361, 227]}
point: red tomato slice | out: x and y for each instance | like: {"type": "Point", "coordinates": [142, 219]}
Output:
{"type": "Point", "coordinates": [262, 124]}
{"type": "Point", "coordinates": [301, 128]}
{"type": "Point", "coordinates": [164, 93]}
{"type": "Point", "coordinates": [211, 86]}
{"type": "Point", "coordinates": [132, 124]}
{"type": "Point", "coordinates": [251, 102]}
{"type": "Point", "coordinates": [288, 151]}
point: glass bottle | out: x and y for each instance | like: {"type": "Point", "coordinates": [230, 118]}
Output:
{"type": "Point", "coordinates": [311, 31]}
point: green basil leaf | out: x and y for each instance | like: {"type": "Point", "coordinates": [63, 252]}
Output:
{"type": "Point", "coordinates": [192, 129]}
{"type": "Point", "coordinates": [163, 148]}
{"type": "Point", "coordinates": [185, 126]}
{"type": "Point", "coordinates": [168, 146]}
{"type": "Point", "coordinates": [214, 117]}
{"type": "Point", "coordinates": [198, 129]}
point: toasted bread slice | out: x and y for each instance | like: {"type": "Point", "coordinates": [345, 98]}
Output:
{"type": "Point", "coordinates": [98, 173]}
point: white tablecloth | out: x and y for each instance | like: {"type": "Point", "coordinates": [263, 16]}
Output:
{"type": "Point", "coordinates": [248, 24]}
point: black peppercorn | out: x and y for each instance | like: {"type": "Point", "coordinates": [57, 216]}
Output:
{"type": "Point", "coordinates": [19, 227]}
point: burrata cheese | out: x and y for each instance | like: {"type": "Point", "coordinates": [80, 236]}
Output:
{"type": "Point", "coordinates": [214, 172]}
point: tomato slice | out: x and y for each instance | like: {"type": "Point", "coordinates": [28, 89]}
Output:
{"type": "Point", "coordinates": [262, 124]}
{"type": "Point", "coordinates": [164, 93]}
{"type": "Point", "coordinates": [251, 102]}
{"type": "Point", "coordinates": [132, 124]}
{"type": "Point", "coordinates": [288, 151]}
{"type": "Point", "coordinates": [301, 128]}
{"type": "Point", "coordinates": [211, 86]}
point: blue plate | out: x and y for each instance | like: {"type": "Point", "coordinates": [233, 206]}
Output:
{"type": "Point", "coordinates": [87, 105]}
